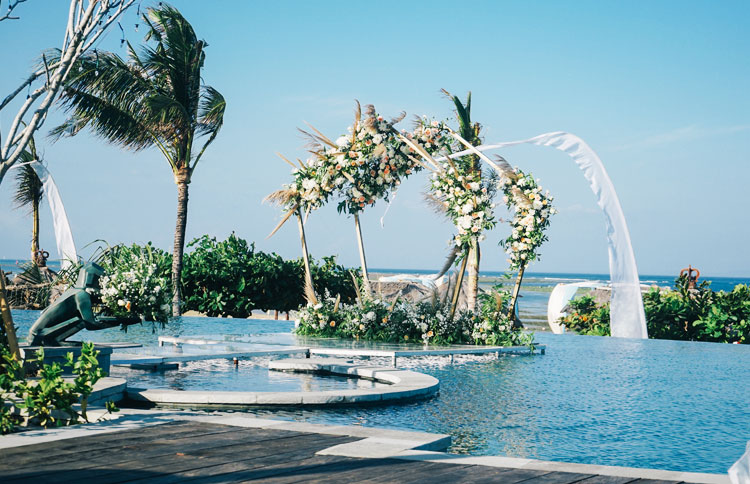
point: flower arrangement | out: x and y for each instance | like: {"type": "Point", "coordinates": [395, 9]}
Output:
{"type": "Point", "coordinates": [531, 212]}
{"type": "Point", "coordinates": [468, 202]}
{"type": "Point", "coordinates": [427, 322]}
{"type": "Point", "coordinates": [135, 284]}
{"type": "Point", "coordinates": [465, 194]}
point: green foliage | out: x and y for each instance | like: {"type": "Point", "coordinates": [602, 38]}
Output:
{"type": "Point", "coordinates": [698, 314]}
{"type": "Point", "coordinates": [154, 98]}
{"type": "Point", "coordinates": [586, 317]}
{"type": "Point", "coordinates": [49, 399]}
{"type": "Point", "coordinates": [231, 278]}
{"type": "Point", "coordinates": [427, 322]}
{"type": "Point", "coordinates": [492, 326]}
{"type": "Point", "coordinates": [220, 278]}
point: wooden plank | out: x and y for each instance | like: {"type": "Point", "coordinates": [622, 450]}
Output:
{"type": "Point", "coordinates": [154, 454]}
{"type": "Point", "coordinates": [396, 470]}
{"type": "Point", "coordinates": [304, 470]}
{"type": "Point", "coordinates": [201, 452]}
{"type": "Point", "coordinates": [608, 480]}
{"type": "Point", "coordinates": [242, 472]}
{"type": "Point", "coordinates": [558, 478]}
{"type": "Point", "coordinates": [103, 446]}
{"type": "Point", "coordinates": [16, 456]}
{"type": "Point", "coordinates": [655, 481]}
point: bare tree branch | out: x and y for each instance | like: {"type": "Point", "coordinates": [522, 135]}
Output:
{"type": "Point", "coordinates": [85, 25]}
{"type": "Point", "coordinates": [11, 6]}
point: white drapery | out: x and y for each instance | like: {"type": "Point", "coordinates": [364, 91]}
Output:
{"type": "Point", "coordinates": [627, 318]}
{"type": "Point", "coordinates": [66, 247]}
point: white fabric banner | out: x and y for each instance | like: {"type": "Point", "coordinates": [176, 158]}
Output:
{"type": "Point", "coordinates": [66, 247]}
{"type": "Point", "coordinates": [627, 318]}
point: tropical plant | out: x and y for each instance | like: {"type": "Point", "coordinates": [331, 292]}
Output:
{"type": "Point", "coordinates": [155, 98]}
{"type": "Point", "coordinates": [49, 399]}
{"type": "Point", "coordinates": [29, 193]}
{"type": "Point", "coordinates": [470, 166]}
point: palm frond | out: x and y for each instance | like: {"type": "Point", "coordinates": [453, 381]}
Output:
{"type": "Point", "coordinates": [29, 189]}
{"type": "Point", "coordinates": [211, 111]}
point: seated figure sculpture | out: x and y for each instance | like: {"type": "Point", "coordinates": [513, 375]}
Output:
{"type": "Point", "coordinates": [72, 312]}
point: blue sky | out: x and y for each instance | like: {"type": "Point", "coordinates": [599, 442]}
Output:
{"type": "Point", "coordinates": [658, 89]}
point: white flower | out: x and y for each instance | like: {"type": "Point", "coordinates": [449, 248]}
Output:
{"type": "Point", "coordinates": [467, 208]}
{"type": "Point", "coordinates": [309, 184]}
{"type": "Point", "coordinates": [377, 139]}
{"type": "Point", "coordinates": [342, 141]}
{"type": "Point", "coordinates": [120, 302]}
{"type": "Point", "coordinates": [464, 222]}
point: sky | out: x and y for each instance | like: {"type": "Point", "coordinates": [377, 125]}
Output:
{"type": "Point", "coordinates": [658, 89]}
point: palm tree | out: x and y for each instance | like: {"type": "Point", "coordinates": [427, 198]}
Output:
{"type": "Point", "coordinates": [29, 193]}
{"type": "Point", "coordinates": [155, 98]}
{"type": "Point", "coordinates": [469, 164]}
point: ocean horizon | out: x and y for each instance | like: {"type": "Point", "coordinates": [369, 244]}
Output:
{"type": "Point", "coordinates": [718, 283]}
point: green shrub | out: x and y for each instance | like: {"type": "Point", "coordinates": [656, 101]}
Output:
{"type": "Point", "coordinates": [48, 400]}
{"type": "Point", "coordinates": [698, 314]}
{"type": "Point", "coordinates": [231, 278]}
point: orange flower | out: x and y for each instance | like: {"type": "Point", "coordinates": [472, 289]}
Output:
{"type": "Point", "coordinates": [127, 306]}
{"type": "Point", "coordinates": [333, 324]}
{"type": "Point", "coordinates": [429, 334]}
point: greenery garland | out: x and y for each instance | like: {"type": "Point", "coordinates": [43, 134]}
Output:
{"type": "Point", "coordinates": [531, 212]}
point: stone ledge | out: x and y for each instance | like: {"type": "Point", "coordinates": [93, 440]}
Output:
{"type": "Point", "coordinates": [404, 385]}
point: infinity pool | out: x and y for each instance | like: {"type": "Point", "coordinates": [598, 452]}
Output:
{"type": "Point", "coordinates": [654, 403]}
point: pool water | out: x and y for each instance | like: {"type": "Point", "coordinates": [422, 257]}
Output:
{"type": "Point", "coordinates": [642, 403]}
{"type": "Point", "coordinates": [222, 375]}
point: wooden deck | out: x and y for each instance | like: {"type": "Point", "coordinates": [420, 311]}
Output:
{"type": "Point", "coordinates": [202, 452]}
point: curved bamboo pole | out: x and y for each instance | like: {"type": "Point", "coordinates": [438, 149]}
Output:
{"type": "Point", "coordinates": [459, 284]}
{"type": "Point", "coordinates": [309, 287]}
{"type": "Point", "coordinates": [514, 296]}
{"type": "Point", "coordinates": [362, 260]}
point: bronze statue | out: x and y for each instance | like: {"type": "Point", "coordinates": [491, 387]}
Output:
{"type": "Point", "coordinates": [73, 311]}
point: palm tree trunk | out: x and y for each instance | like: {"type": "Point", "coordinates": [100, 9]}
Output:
{"type": "Point", "coordinates": [473, 268]}
{"type": "Point", "coordinates": [183, 180]}
{"type": "Point", "coordinates": [514, 297]}
{"type": "Point", "coordinates": [35, 230]}
{"type": "Point", "coordinates": [362, 260]}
